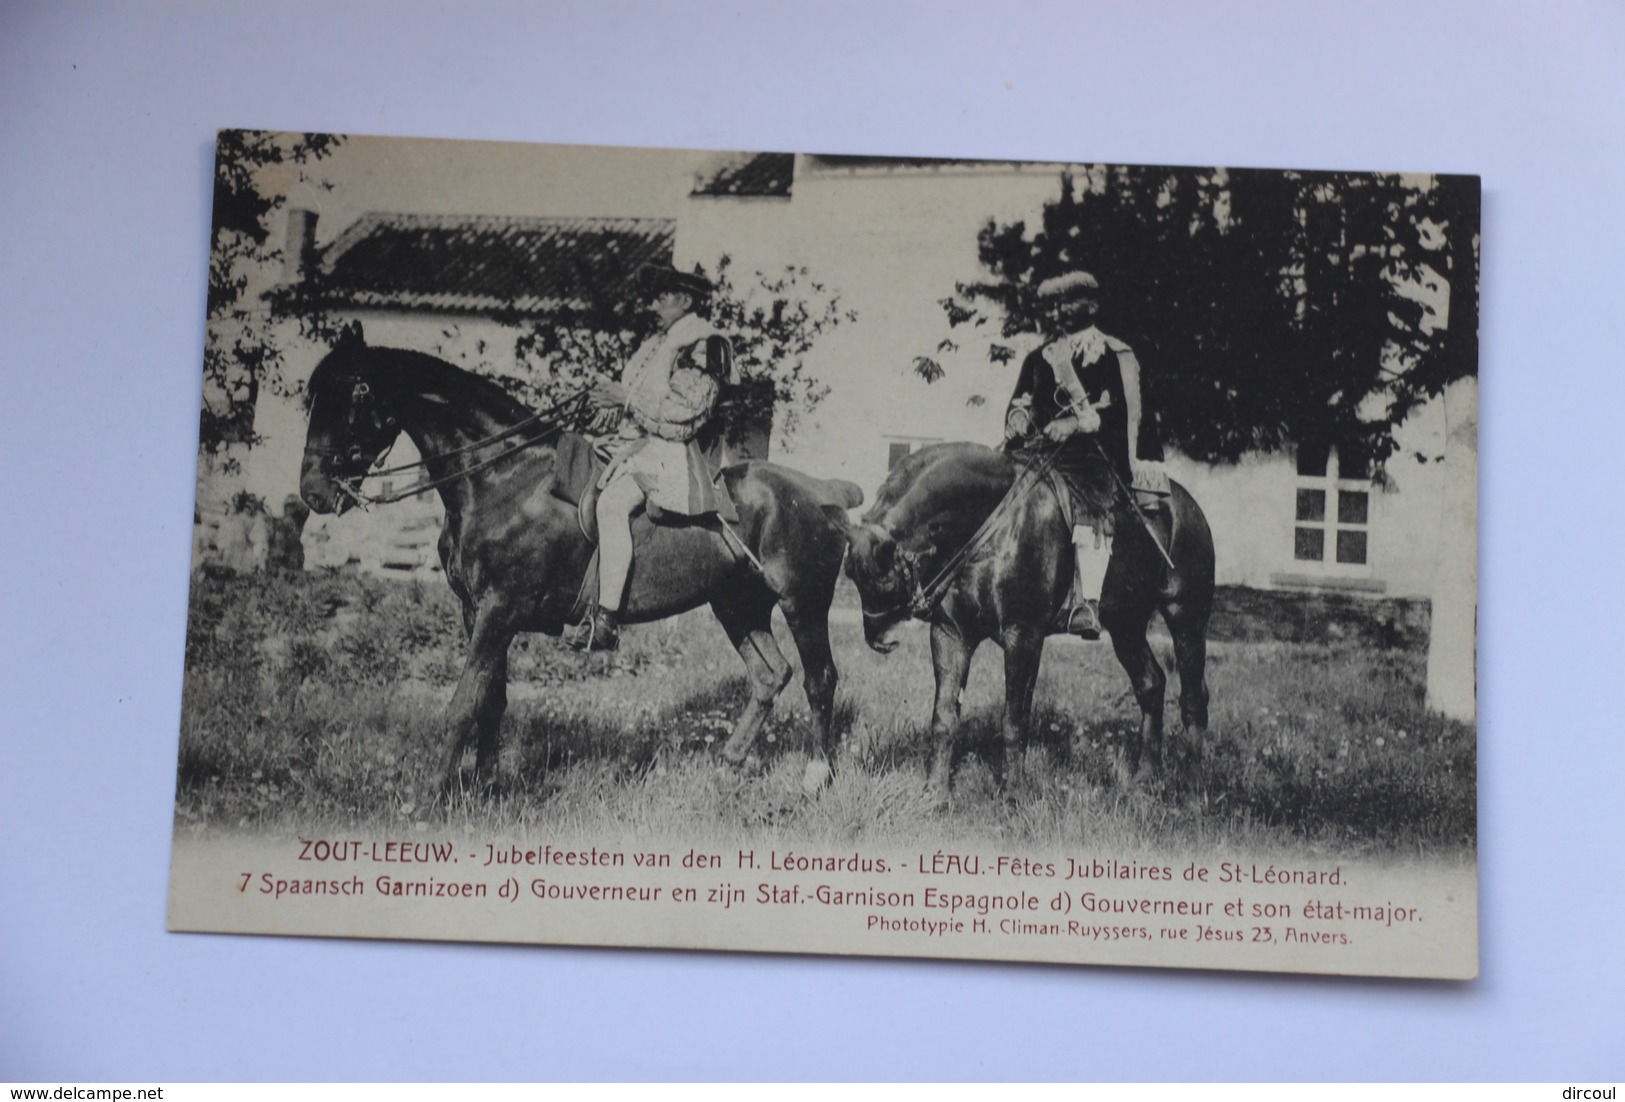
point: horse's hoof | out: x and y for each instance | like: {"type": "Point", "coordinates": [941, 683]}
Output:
{"type": "Point", "coordinates": [936, 797]}
{"type": "Point", "coordinates": [427, 811]}
{"type": "Point", "coordinates": [1193, 749]}
{"type": "Point", "coordinates": [1124, 769]}
{"type": "Point", "coordinates": [816, 777]}
{"type": "Point", "coordinates": [1010, 780]}
{"type": "Point", "coordinates": [738, 767]}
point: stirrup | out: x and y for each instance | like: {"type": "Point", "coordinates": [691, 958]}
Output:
{"type": "Point", "coordinates": [598, 631]}
{"type": "Point", "coordinates": [1081, 619]}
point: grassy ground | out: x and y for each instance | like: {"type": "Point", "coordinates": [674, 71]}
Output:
{"type": "Point", "coordinates": [314, 703]}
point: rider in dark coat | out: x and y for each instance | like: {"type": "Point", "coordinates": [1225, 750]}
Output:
{"type": "Point", "coordinates": [1081, 390]}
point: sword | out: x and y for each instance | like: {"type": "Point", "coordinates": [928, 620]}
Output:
{"type": "Point", "coordinates": [740, 543]}
{"type": "Point", "coordinates": [1128, 494]}
{"type": "Point", "coordinates": [1064, 399]}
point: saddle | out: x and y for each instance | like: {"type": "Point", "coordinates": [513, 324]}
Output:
{"type": "Point", "coordinates": [1084, 498]}
{"type": "Point", "coordinates": [578, 466]}
{"type": "Point", "coordinates": [1088, 494]}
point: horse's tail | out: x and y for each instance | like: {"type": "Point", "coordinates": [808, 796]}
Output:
{"type": "Point", "coordinates": [842, 493]}
{"type": "Point", "coordinates": [827, 493]}
{"type": "Point", "coordinates": [1192, 540]}
{"type": "Point", "coordinates": [830, 497]}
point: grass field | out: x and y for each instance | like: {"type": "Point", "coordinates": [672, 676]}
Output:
{"type": "Point", "coordinates": [314, 702]}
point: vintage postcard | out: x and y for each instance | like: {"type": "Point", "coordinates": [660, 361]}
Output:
{"type": "Point", "coordinates": [835, 554]}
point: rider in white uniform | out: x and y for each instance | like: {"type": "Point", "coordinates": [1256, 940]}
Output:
{"type": "Point", "coordinates": [667, 394]}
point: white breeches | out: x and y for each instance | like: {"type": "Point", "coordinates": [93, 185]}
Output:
{"type": "Point", "coordinates": [616, 503]}
{"type": "Point", "coordinates": [1093, 553]}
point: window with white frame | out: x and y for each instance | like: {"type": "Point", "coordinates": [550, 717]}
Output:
{"type": "Point", "coordinates": [1332, 519]}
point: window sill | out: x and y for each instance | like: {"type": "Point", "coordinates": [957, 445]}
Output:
{"type": "Point", "coordinates": [1329, 581]}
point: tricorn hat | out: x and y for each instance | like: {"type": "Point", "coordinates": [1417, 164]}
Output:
{"type": "Point", "coordinates": [1070, 285]}
{"type": "Point", "coordinates": [657, 279]}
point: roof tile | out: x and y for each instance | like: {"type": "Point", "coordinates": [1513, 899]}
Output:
{"type": "Point", "coordinates": [750, 174]}
{"type": "Point", "coordinates": [482, 263]}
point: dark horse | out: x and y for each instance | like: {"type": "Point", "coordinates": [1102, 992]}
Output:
{"type": "Point", "coordinates": [516, 557]}
{"type": "Point", "coordinates": [1014, 581]}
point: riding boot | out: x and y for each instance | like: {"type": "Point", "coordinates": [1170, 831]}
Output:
{"type": "Point", "coordinates": [1082, 619]}
{"type": "Point", "coordinates": [1080, 615]}
{"type": "Point", "coordinates": [599, 630]}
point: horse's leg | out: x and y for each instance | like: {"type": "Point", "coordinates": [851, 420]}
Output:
{"type": "Point", "coordinates": [750, 629]}
{"type": "Point", "coordinates": [473, 704]}
{"type": "Point", "coordinates": [1129, 597]}
{"type": "Point", "coordinates": [950, 660]}
{"type": "Point", "coordinates": [1023, 652]}
{"type": "Point", "coordinates": [1188, 626]}
{"type": "Point", "coordinates": [489, 725]}
{"type": "Point", "coordinates": [1145, 674]}
{"type": "Point", "coordinates": [818, 677]}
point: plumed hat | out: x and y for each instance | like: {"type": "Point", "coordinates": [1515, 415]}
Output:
{"type": "Point", "coordinates": [655, 279]}
{"type": "Point", "coordinates": [1069, 285]}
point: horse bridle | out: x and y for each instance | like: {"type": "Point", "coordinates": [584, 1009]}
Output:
{"type": "Point", "coordinates": [353, 452]}
{"type": "Point", "coordinates": [361, 394]}
{"type": "Point", "coordinates": [924, 599]}
{"type": "Point", "coordinates": [911, 605]}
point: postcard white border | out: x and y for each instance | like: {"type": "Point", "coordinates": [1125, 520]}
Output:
{"type": "Point", "coordinates": [102, 292]}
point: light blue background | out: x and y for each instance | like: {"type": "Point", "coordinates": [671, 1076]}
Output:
{"type": "Point", "coordinates": [106, 120]}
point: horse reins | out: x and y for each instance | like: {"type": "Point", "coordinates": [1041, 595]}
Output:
{"type": "Point", "coordinates": [926, 597]}
{"type": "Point", "coordinates": [556, 417]}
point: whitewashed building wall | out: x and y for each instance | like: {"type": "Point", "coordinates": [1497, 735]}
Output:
{"type": "Point", "coordinates": [893, 242]}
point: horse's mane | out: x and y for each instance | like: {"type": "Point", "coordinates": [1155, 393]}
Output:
{"type": "Point", "coordinates": [935, 477]}
{"type": "Point", "coordinates": [433, 377]}
{"type": "Point", "coordinates": [421, 374]}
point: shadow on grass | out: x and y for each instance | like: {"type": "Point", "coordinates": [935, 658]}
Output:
{"type": "Point", "coordinates": [295, 712]}
{"type": "Point", "coordinates": [548, 739]}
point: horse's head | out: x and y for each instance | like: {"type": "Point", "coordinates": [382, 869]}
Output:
{"type": "Point", "coordinates": [887, 577]}
{"type": "Point", "coordinates": [924, 516]}
{"type": "Point", "coordinates": [351, 426]}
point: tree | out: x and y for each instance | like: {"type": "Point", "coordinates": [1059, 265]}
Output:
{"type": "Point", "coordinates": [1267, 307]}
{"type": "Point", "coordinates": [773, 321]}
{"type": "Point", "coordinates": [240, 351]}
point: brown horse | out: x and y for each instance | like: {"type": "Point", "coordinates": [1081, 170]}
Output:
{"type": "Point", "coordinates": [939, 503]}
{"type": "Point", "coordinates": [515, 554]}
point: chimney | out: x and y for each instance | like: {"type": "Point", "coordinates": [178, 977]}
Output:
{"type": "Point", "coordinates": [299, 255]}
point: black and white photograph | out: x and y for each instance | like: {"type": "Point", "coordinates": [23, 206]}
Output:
{"type": "Point", "coordinates": [618, 541]}
{"type": "Point", "coordinates": [857, 554]}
